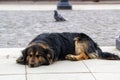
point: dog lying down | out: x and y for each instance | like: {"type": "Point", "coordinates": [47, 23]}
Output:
{"type": "Point", "coordinates": [47, 48]}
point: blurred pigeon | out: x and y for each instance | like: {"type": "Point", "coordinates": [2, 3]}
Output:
{"type": "Point", "coordinates": [58, 17]}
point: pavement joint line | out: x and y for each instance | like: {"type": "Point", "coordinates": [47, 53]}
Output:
{"type": "Point", "coordinates": [26, 72]}
{"type": "Point", "coordinates": [10, 74]}
{"type": "Point", "coordinates": [105, 72]}
{"type": "Point", "coordinates": [59, 73]}
{"type": "Point", "coordinates": [89, 70]}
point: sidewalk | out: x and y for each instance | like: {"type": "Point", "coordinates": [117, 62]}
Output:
{"type": "Point", "coordinates": [61, 70]}
{"type": "Point", "coordinates": [33, 23]}
{"type": "Point", "coordinates": [52, 5]}
{"type": "Point", "coordinates": [45, 7]}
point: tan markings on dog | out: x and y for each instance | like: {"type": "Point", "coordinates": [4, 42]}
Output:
{"type": "Point", "coordinates": [93, 55]}
{"type": "Point", "coordinates": [29, 59]}
{"type": "Point", "coordinates": [35, 57]}
{"type": "Point", "coordinates": [32, 58]}
{"type": "Point", "coordinates": [31, 44]}
{"type": "Point", "coordinates": [36, 53]}
{"type": "Point", "coordinates": [49, 58]}
{"type": "Point", "coordinates": [80, 48]}
{"type": "Point", "coordinates": [41, 59]}
{"type": "Point", "coordinates": [81, 56]}
{"type": "Point", "coordinates": [36, 60]}
{"type": "Point", "coordinates": [48, 55]}
{"type": "Point", "coordinates": [45, 46]}
{"type": "Point", "coordinates": [31, 53]}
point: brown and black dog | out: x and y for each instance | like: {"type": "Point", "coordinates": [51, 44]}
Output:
{"type": "Point", "coordinates": [47, 48]}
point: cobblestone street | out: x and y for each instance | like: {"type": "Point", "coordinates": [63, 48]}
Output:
{"type": "Point", "coordinates": [18, 28]}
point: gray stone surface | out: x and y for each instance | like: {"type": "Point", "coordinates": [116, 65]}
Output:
{"type": "Point", "coordinates": [18, 28]}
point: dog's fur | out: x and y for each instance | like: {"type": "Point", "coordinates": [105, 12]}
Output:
{"type": "Point", "coordinates": [47, 48]}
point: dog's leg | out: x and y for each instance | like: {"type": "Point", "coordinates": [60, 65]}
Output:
{"type": "Point", "coordinates": [93, 55]}
{"type": "Point", "coordinates": [81, 56]}
{"type": "Point", "coordinates": [20, 60]}
{"type": "Point", "coordinates": [80, 48]}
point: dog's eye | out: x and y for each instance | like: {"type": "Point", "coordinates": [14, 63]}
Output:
{"type": "Point", "coordinates": [30, 55]}
{"type": "Point", "coordinates": [37, 56]}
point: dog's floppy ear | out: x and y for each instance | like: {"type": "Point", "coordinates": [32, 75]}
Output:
{"type": "Point", "coordinates": [24, 52]}
{"type": "Point", "coordinates": [22, 59]}
{"type": "Point", "coordinates": [50, 56]}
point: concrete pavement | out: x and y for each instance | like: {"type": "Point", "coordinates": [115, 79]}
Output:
{"type": "Point", "coordinates": [18, 28]}
{"type": "Point", "coordinates": [61, 70]}
{"type": "Point", "coordinates": [45, 7]}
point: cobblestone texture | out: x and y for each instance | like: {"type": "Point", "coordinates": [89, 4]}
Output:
{"type": "Point", "coordinates": [18, 28]}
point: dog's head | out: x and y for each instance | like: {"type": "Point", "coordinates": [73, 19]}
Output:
{"type": "Point", "coordinates": [38, 54]}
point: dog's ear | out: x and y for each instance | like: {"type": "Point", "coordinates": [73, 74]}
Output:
{"type": "Point", "coordinates": [24, 52]}
{"type": "Point", "coordinates": [49, 55]}
{"type": "Point", "coordinates": [22, 59]}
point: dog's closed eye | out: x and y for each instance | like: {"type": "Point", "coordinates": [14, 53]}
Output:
{"type": "Point", "coordinates": [37, 56]}
{"type": "Point", "coordinates": [30, 55]}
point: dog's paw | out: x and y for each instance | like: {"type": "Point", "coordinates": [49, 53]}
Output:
{"type": "Point", "coordinates": [70, 57]}
{"type": "Point", "coordinates": [20, 60]}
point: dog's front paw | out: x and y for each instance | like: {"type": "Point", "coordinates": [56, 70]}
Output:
{"type": "Point", "coordinates": [20, 60]}
{"type": "Point", "coordinates": [70, 57]}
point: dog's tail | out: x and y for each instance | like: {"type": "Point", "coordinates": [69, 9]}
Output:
{"type": "Point", "coordinates": [109, 56]}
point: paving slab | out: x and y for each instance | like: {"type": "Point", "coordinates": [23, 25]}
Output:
{"type": "Point", "coordinates": [9, 66]}
{"type": "Point", "coordinates": [12, 77]}
{"type": "Point", "coordinates": [103, 65]}
{"type": "Point", "coordinates": [97, 65]}
{"type": "Point", "coordinates": [80, 76]}
{"type": "Point", "coordinates": [107, 76]}
{"type": "Point", "coordinates": [10, 52]}
{"type": "Point", "coordinates": [111, 49]}
{"type": "Point", "coordinates": [60, 67]}
{"type": "Point", "coordinates": [93, 69]}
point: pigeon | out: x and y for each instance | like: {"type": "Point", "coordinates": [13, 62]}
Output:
{"type": "Point", "coordinates": [58, 17]}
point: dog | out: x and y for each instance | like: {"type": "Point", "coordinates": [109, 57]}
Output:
{"type": "Point", "coordinates": [86, 48]}
{"type": "Point", "coordinates": [47, 48]}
